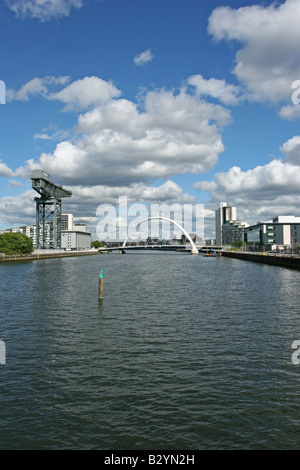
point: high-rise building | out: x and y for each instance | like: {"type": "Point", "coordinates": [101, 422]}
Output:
{"type": "Point", "coordinates": [67, 222]}
{"type": "Point", "coordinates": [223, 214]}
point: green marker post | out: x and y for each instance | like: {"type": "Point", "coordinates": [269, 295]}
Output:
{"type": "Point", "coordinates": [101, 285]}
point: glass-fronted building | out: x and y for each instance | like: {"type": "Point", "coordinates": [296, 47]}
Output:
{"type": "Point", "coordinates": [280, 231]}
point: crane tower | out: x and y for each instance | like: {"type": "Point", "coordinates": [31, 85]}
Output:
{"type": "Point", "coordinates": [48, 210]}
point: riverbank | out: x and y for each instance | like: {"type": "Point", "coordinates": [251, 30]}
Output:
{"type": "Point", "coordinates": [286, 260]}
{"type": "Point", "coordinates": [45, 255]}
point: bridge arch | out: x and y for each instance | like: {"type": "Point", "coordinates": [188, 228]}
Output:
{"type": "Point", "coordinates": [194, 250]}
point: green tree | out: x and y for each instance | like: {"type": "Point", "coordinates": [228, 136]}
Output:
{"type": "Point", "coordinates": [97, 244]}
{"type": "Point", "coordinates": [15, 243]}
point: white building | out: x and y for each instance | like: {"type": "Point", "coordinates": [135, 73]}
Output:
{"type": "Point", "coordinates": [281, 231]}
{"type": "Point", "coordinates": [75, 240]}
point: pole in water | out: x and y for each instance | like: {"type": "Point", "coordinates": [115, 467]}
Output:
{"type": "Point", "coordinates": [101, 285]}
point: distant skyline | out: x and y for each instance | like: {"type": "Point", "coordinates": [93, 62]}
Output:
{"type": "Point", "coordinates": [176, 101]}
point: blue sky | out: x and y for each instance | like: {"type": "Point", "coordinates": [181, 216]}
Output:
{"type": "Point", "coordinates": [177, 101]}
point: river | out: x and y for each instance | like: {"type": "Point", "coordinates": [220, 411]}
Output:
{"type": "Point", "coordinates": [184, 352]}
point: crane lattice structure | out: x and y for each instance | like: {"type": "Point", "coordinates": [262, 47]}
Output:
{"type": "Point", "coordinates": [48, 210]}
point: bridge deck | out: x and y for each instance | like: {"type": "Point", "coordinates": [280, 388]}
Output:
{"type": "Point", "coordinates": [159, 247]}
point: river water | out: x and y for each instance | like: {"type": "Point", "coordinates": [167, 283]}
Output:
{"type": "Point", "coordinates": [184, 352]}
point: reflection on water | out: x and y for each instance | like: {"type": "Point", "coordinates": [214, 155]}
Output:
{"type": "Point", "coordinates": [182, 353]}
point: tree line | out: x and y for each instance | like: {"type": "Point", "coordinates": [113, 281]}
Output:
{"type": "Point", "coordinates": [15, 244]}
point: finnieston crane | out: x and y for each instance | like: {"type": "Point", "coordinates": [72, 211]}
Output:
{"type": "Point", "coordinates": [48, 210]}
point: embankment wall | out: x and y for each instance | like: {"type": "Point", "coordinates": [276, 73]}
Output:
{"type": "Point", "coordinates": [287, 261]}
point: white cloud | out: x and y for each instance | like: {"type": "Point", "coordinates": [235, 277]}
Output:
{"type": "Point", "coordinates": [143, 58]}
{"type": "Point", "coordinates": [44, 10]}
{"type": "Point", "coordinates": [81, 94]}
{"type": "Point", "coordinates": [228, 94]}
{"type": "Point", "coordinates": [291, 149]}
{"type": "Point", "coordinates": [56, 136]}
{"type": "Point", "coordinates": [268, 180]}
{"type": "Point", "coordinates": [5, 170]}
{"type": "Point", "coordinates": [290, 112]}
{"type": "Point", "coordinates": [36, 86]}
{"type": "Point", "coordinates": [265, 190]}
{"type": "Point", "coordinates": [138, 192]}
{"type": "Point", "coordinates": [118, 144]}
{"type": "Point", "coordinates": [18, 210]}
{"type": "Point", "coordinates": [268, 61]}
{"type": "Point", "coordinates": [121, 147]}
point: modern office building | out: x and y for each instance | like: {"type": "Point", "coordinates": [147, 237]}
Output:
{"type": "Point", "coordinates": [75, 240]}
{"type": "Point", "coordinates": [281, 231]}
{"type": "Point", "coordinates": [223, 214]}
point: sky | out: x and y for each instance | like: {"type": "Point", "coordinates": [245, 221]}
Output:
{"type": "Point", "coordinates": [161, 101]}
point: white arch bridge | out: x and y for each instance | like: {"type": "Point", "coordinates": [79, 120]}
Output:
{"type": "Point", "coordinates": [194, 249]}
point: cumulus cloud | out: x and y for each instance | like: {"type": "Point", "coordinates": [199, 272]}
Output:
{"type": "Point", "coordinates": [86, 92]}
{"type": "Point", "coordinates": [78, 95]}
{"type": "Point", "coordinates": [290, 112]}
{"type": "Point", "coordinates": [265, 190]}
{"type": "Point", "coordinates": [143, 58]}
{"type": "Point", "coordinates": [266, 180]}
{"type": "Point", "coordinates": [291, 149]}
{"type": "Point", "coordinates": [121, 147]}
{"type": "Point", "coordinates": [85, 200]}
{"type": "Point", "coordinates": [225, 92]}
{"type": "Point", "coordinates": [43, 10]}
{"type": "Point", "coordinates": [268, 60]}
{"type": "Point", "coordinates": [17, 209]}
{"type": "Point", "coordinates": [5, 170]}
{"type": "Point", "coordinates": [119, 144]}
{"type": "Point", "coordinates": [92, 196]}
